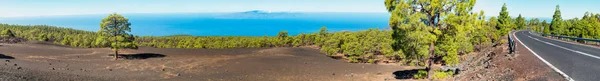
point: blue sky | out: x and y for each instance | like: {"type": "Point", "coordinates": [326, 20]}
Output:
{"type": "Point", "coordinates": [18, 8]}
{"type": "Point", "coordinates": [539, 8]}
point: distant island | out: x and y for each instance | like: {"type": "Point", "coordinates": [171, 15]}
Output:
{"type": "Point", "coordinates": [258, 14]}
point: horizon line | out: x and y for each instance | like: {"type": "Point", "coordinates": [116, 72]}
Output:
{"type": "Point", "coordinates": [50, 15]}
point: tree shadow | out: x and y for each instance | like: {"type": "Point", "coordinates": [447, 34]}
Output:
{"type": "Point", "coordinates": [2, 56]}
{"type": "Point", "coordinates": [406, 74]}
{"type": "Point", "coordinates": [336, 57]}
{"type": "Point", "coordinates": [141, 56]}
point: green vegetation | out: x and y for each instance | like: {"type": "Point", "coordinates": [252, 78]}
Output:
{"type": "Point", "coordinates": [535, 25]}
{"type": "Point", "coordinates": [555, 25]}
{"type": "Point", "coordinates": [545, 27]}
{"type": "Point", "coordinates": [521, 24]}
{"type": "Point", "coordinates": [7, 33]}
{"type": "Point", "coordinates": [57, 35]}
{"type": "Point", "coordinates": [586, 27]}
{"type": "Point", "coordinates": [114, 31]}
{"type": "Point", "coordinates": [360, 46]}
{"type": "Point", "coordinates": [504, 22]}
{"type": "Point", "coordinates": [441, 29]}
{"type": "Point", "coordinates": [421, 74]}
{"type": "Point", "coordinates": [442, 74]}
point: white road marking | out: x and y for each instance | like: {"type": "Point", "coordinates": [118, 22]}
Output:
{"type": "Point", "coordinates": [567, 42]}
{"type": "Point", "coordinates": [578, 52]}
{"type": "Point", "coordinates": [547, 63]}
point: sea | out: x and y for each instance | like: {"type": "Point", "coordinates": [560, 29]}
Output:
{"type": "Point", "coordinates": [251, 23]}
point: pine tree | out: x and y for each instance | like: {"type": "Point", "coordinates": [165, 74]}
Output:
{"type": "Point", "coordinates": [504, 21]}
{"type": "Point", "coordinates": [418, 31]}
{"type": "Point", "coordinates": [556, 27]}
{"type": "Point", "coordinates": [116, 27]}
{"type": "Point", "coordinates": [520, 22]}
{"type": "Point", "coordinates": [545, 27]}
{"type": "Point", "coordinates": [7, 33]}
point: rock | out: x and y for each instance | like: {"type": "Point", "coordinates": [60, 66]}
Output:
{"type": "Point", "coordinates": [53, 69]}
{"type": "Point", "coordinates": [478, 75]}
{"type": "Point", "coordinates": [446, 68]}
{"type": "Point", "coordinates": [178, 74]}
{"type": "Point", "coordinates": [50, 63]}
{"type": "Point", "coordinates": [7, 61]}
{"type": "Point", "coordinates": [333, 74]}
{"type": "Point", "coordinates": [109, 69]}
{"type": "Point", "coordinates": [162, 69]}
{"type": "Point", "coordinates": [15, 64]}
{"type": "Point", "coordinates": [379, 73]}
{"type": "Point", "coordinates": [18, 67]}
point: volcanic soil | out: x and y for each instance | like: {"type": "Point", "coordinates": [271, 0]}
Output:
{"type": "Point", "coordinates": [42, 61]}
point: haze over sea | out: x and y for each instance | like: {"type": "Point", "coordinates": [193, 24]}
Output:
{"type": "Point", "coordinates": [250, 23]}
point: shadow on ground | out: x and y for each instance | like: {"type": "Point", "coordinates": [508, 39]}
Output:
{"type": "Point", "coordinates": [140, 56]}
{"type": "Point", "coordinates": [2, 56]}
{"type": "Point", "coordinates": [406, 74]}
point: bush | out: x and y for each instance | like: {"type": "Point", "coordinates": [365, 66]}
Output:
{"type": "Point", "coordinates": [371, 60]}
{"type": "Point", "coordinates": [352, 59]}
{"type": "Point", "coordinates": [421, 74]}
{"type": "Point", "coordinates": [503, 41]}
{"type": "Point", "coordinates": [442, 74]}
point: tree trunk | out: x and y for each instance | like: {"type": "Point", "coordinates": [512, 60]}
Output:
{"type": "Point", "coordinates": [430, 59]}
{"type": "Point", "coordinates": [116, 48]}
{"type": "Point", "coordinates": [116, 54]}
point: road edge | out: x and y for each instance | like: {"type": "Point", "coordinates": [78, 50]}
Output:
{"type": "Point", "coordinates": [543, 60]}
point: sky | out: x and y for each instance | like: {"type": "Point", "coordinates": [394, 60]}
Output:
{"type": "Point", "coordinates": [538, 8]}
{"type": "Point", "coordinates": [20, 8]}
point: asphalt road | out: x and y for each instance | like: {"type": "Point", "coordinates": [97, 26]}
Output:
{"type": "Point", "coordinates": [577, 61]}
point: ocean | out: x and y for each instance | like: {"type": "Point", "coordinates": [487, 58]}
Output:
{"type": "Point", "coordinates": [252, 23]}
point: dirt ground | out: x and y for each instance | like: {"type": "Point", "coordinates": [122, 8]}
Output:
{"type": "Point", "coordinates": [38, 61]}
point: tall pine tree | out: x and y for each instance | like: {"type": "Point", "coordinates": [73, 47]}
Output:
{"type": "Point", "coordinates": [504, 22]}
{"type": "Point", "coordinates": [437, 28]}
{"type": "Point", "coordinates": [520, 22]}
{"type": "Point", "coordinates": [555, 25]}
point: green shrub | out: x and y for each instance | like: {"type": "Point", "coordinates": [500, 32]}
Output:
{"type": "Point", "coordinates": [421, 74]}
{"type": "Point", "coordinates": [371, 60]}
{"type": "Point", "coordinates": [442, 74]}
{"type": "Point", "coordinates": [353, 59]}
{"type": "Point", "coordinates": [503, 41]}
{"type": "Point", "coordinates": [412, 64]}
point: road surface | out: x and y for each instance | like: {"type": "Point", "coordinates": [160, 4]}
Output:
{"type": "Point", "coordinates": [576, 61]}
